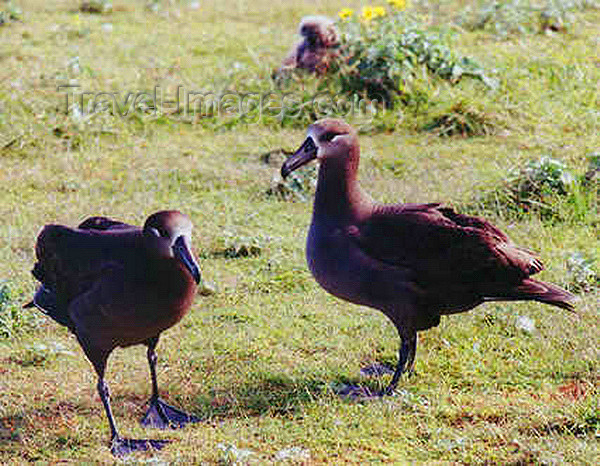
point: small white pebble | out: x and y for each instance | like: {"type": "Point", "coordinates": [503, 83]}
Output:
{"type": "Point", "coordinates": [526, 324]}
{"type": "Point", "coordinates": [293, 453]}
{"type": "Point", "coordinates": [238, 454]}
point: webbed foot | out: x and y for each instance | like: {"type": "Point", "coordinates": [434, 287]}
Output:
{"type": "Point", "coordinates": [160, 415]}
{"type": "Point", "coordinates": [125, 446]}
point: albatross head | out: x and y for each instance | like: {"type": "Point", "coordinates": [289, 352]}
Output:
{"type": "Point", "coordinates": [168, 235]}
{"type": "Point", "coordinates": [326, 139]}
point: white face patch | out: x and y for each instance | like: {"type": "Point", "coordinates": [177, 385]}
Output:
{"type": "Point", "coordinates": [312, 134]}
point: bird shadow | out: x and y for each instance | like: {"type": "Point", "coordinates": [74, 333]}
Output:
{"type": "Point", "coordinates": [274, 395]}
{"type": "Point", "coordinates": [279, 395]}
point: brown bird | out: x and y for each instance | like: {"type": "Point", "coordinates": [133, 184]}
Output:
{"type": "Point", "coordinates": [320, 38]}
{"type": "Point", "coordinates": [114, 284]}
{"type": "Point", "coordinates": [413, 262]}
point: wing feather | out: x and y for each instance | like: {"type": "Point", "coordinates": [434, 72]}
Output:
{"type": "Point", "coordinates": [441, 245]}
{"type": "Point", "coordinates": [70, 260]}
{"type": "Point", "coordinates": [102, 224]}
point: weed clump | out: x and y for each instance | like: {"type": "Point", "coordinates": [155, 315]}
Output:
{"type": "Point", "coordinates": [298, 186]}
{"type": "Point", "coordinates": [39, 354]}
{"type": "Point", "coordinates": [384, 54]}
{"type": "Point", "coordinates": [540, 179]}
{"type": "Point", "coordinates": [13, 320]}
{"type": "Point", "coordinates": [533, 188]}
{"type": "Point", "coordinates": [591, 179]}
{"type": "Point", "coordinates": [583, 277]}
{"type": "Point", "coordinates": [10, 13]}
{"type": "Point", "coordinates": [236, 246]}
{"type": "Point", "coordinates": [547, 188]}
{"type": "Point", "coordinates": [517, 17]}
{"type": "Point", "coordinates": [96, 6]}
{"type": "Point", "coordinates": [464, 120]}
{"type": "Point", "coordinates": [536, 187]}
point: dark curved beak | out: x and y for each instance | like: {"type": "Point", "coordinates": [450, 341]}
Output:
{"type": "Point", "coordinates": [184, 255]}
{"type": "Point", "coordinates": [306, 153]}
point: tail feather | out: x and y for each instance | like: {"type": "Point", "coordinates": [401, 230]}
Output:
{"type": "Point", "coordinates": [534, 290]}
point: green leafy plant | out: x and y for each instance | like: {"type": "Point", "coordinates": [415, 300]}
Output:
{"type": "Point", "coordinates": [544, 186]}
{"type": "Point", "coordinates": [385, 53]}
{"type": "Point", "coordinates": [298, 186]}
{"type": "Point", "coordinates": [153, 5]}
{"type": "Point", "coordinates": [534, 186]}
{"type": "Point", "coordinates": [505, 18]}
{"type": "Point", "coordinates": [13, 319]}
{"type": "Point", "coordinates": [582, 274]}
{"type": "Point", "coordinates": [38, 354]}
{"type": "Point", "coordinates": [591, 178]}
{"type": "Point", "coordinates": [235, 246]}
{"type": "Point", "coordinates": [10, 13]}
{"type": "Point", "coordinates": [464, 120]}
{"type": "Point", "coordinates": [547, 188]}
{"type": "Point", "coordinates": [96, 6]}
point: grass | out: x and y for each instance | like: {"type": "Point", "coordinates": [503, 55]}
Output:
{"type": "Point", "coordinates": [258, 360]}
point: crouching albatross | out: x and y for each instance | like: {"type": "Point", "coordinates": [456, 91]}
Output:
{"type": "Point", "coordinates": [413, 262]}
{"type": "Point", "coordinates": [114, 284]}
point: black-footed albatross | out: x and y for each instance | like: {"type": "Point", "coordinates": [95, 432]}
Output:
{"type": "Point", "coordinates": [114, 284]}
{"type": "Point", "coordinates": [413, 262]}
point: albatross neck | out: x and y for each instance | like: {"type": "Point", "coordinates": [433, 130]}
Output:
{"type": "Point", "coordinates": [339, 196]}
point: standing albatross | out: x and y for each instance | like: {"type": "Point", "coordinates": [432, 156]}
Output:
{"type": "Point", "coordinates": [114, 284]}
{"type": "Point", "coordinates": [413, 262]}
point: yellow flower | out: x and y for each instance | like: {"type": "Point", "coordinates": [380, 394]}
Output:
{"type": "Point", "coordinates": [399, 4]}
{"type": "Point", "coordinates": [345, 13]}
{"type": "Point", "coordinates": [367, 13]}
{"type": "Point", "coordinates": [378, 11]}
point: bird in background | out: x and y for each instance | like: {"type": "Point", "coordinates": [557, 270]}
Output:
{"type": "Point", "coordinates": [117, 285]}
{"type": "Point", "coordinates": [413, 262]}
{"type": "Point", "coordinates": [316, 49]}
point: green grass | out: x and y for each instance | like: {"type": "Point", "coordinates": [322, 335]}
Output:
{"type": "Point", "coordinates": [259, 359]}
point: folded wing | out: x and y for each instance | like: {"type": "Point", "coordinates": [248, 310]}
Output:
{"type": "Point", "coordinates": [448, 252]}
{"type": "Point", "coordinates": [70, 261]}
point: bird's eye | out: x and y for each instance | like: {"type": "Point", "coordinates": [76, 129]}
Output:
{"type": "Point", "coordinates": [328, 136]}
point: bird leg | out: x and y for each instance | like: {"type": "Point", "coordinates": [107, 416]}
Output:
{"type": "Point", "coordinates": [123, 446]}
{"type": "Point", "coordinates": [160, 415]}
{"type": "Point", "coordinates": [119, 446]}
{"type": "Point", "coordinates": [406, 359]}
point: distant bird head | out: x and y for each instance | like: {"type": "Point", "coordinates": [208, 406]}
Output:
{"type": "Point", "coordinates": [168, 234]}
{"type": "Point", "coordinates": [318, 31]}
{"type": "Point", "coordinates": [326, 139]}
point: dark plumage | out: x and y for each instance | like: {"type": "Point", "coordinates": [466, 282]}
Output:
{"type": "Point", "coordinates": [114, 284]}
{"type": "Point", "coordinates": [413, 262]}
{"type": "Point", "coordinates": [317, 47]}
